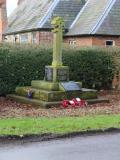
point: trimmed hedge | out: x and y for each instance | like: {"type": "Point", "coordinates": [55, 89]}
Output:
{"type": "Point", "coordinates": [93, 66]}
{"type": "Point", "coordinates": [21, 64]}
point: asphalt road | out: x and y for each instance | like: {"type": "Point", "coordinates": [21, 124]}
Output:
{"type": "Point", "coordinates": [101, 147]}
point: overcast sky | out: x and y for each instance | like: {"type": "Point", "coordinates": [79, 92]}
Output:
{"type": "Point", "coordinates": [11, 5]}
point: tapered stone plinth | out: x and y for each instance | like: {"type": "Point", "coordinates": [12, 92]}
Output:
{"type": "Point", "coordinates": [57, 74]}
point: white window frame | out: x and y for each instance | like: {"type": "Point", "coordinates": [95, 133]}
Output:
{"type": "Point", "coordinates": [25, 40]}
{"type": "Point", "coordinates": [34, 39]}
{"type": "Point", "coordinates": [73, 43]}
{"type": "Point", "coordinates": [109, 41]}
{"type": "Point", "coordinates": [16, 37]}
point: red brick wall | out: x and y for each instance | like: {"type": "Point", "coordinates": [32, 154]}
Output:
{"type": "Point", "coordinates": [92, 41]}
{"type": "Point", "coordinates": [100, 41]}
{"type": "Point", "coordinates": [45, 37]}
{"type": "Point", "coordinates": [80, 41]}
{"type": "Point", "coordinates": [2, 1]}
{"type": "Point", "coordinates": [3, 17]}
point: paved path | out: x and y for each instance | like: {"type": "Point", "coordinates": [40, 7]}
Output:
{"type": "Point", "coordinates": [102, 147]}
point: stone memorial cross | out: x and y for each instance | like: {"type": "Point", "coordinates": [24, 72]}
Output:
{"type": "Point", "coordinates": [58, 25]}
{"type": "Point", "coordinates": [57, 72]}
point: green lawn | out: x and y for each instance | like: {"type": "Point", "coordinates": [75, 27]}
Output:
{"type": "Point", "coordinates": [57, 125]}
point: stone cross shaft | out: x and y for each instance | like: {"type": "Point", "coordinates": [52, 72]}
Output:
{"type": "Point", "coordinates": [58, 25]}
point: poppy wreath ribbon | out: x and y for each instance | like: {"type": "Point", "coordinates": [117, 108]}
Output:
{"type": "Point", "coordinates": [76, 102]}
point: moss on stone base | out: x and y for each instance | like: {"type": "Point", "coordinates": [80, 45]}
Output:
{"type": "Point", "coordinates": [88, 94]}
{"type": "Point", "coordinates": [50, 96]}
{"type": "Point", "coordinates": [39, 103]}
{"type": "Point", "coordinates": [43, 95]}
{"type": "Point", "coordinates": [44, 85]}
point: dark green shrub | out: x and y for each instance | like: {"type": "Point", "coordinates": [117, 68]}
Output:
{"type": "Point", "coordinates": [94, 67]}
{"type": "Point", "coordinates": [21, 64]}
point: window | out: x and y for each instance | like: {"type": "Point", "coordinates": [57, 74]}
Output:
{"type": "Point", "coordinates": [110, 43]}
{"type": "Point", "coordinates": [34, 37]}
{"type": "Point", "coordinates": [16, 38]}
{"type": "Point", "coordinates": [24, 38]}
{"type": "Point", "coordinates": [5, 38]}
{"type": "Point", "coordinates": [72, 43]}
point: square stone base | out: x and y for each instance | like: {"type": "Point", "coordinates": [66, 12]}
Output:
{"type": "Point", "coordinates": [51, 96]}
{"type": "Point", "coordinates": [44, 93]}
{"type": "Point", "coordinates": [57, 74]}
{"type": "Point", "coordinates": [39, 103]}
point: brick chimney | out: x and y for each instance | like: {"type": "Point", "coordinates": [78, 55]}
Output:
{"type": "Point", "coordinates": [3, 17]}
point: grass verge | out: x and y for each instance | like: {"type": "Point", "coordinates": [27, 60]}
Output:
{"type": "Point", "coordinates": [57, 125]}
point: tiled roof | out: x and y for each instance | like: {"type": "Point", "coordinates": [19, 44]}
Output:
{"type": "Point", "coordinates": [93, 17]}
{"type": "Point", "coordinates": [68, 9]}
{"type": "Point", "coordinates": [36, 14]}
{"type": "Point", "coordinates": [27, 15]}
{"type": "Point", "coordinates": [88, 17]}
{"type": "Point", "coordinates": [111, 24]}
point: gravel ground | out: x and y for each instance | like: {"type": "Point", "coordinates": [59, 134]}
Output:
{"type": "Point", "coordinates": [12, 109]}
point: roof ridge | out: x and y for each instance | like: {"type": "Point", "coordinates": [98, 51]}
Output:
{"type": "Point", "coordinates": [47, 15]}
{"type": "Point", "coordinates": [81, 11]}
{"type": "Point", "coordinates": [103, 16]}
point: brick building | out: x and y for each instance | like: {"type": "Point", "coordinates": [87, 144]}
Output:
{"type": "Point", "coordinates": [3, 17]}
{"type": "Point", "coordinates": [87, 22]}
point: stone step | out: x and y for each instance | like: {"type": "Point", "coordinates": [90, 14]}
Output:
{"type": "Point", "coordinates": [45, 85]}
{"type": "Point", "coordinates": [50, 96]}
{"type": "Point", "coordinates": [40, 103]}
{"type": "Point", "coordinates": [41, 94]}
